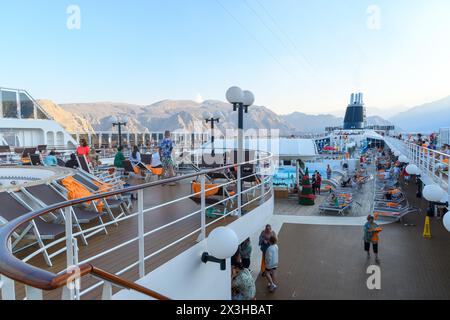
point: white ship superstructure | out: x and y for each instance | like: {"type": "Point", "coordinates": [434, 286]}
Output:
{"type": "Point", "coordinates": [24, 123]}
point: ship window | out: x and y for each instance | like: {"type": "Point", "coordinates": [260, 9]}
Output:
{"type": "Point", "coordinates": [41, 115]}
{"type": "Point", "coordinates": [9, 102]}
{"type": "Point", "coordinates": [26, 107]}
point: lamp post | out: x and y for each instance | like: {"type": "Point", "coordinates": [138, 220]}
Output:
{"type": "Point", "coordinates": [240, 100]}
{"type": "Point", "coordinates": [118, 123]}
{"type": "Point", "coordinates": [213, 121]}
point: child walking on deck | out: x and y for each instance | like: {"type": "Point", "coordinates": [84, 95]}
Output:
{"type": "Point", "coordinates": [272, 263]}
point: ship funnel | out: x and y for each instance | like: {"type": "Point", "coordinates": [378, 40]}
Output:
{"type": "Point", "coordinates": [355, 114]}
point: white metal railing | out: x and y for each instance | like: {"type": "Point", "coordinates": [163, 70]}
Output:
{"type": "Point", "coordinates": [243, 198]}
{"type": "Point", "coordinates": [432, 163]}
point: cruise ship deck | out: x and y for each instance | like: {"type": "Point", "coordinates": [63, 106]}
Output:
{"type": "Point", "coordinates": [323, 257]}
{"type": "Point", "coordinates": [128, 229]}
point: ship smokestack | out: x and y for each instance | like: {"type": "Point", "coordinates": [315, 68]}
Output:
{"type": "Point", "coordinates": [355, 114]}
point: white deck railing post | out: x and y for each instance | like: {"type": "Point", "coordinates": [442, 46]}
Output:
{"type": "Point", "coordinates": [107, 291]}
{"type": "Point", "coordinates": [33, 293]}
{"type": "Point", "coordinates": [262, 189]}
{"type": "Point", "coordinates": [68, 291]}
{"type": "Point", "coordinates": [69, 236]}
{"type": "Point", "coordinates": [141, 233]}
{"type": "Point", "coordinates": [77, 281]}
{"type": "Point", "coordinates": [203, 206]}
{"type": "Point", "coordinates": [8, 288]}
{"type": "Point", "coordinates": [239, 191]}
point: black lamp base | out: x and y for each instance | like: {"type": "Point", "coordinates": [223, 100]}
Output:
{"type": "Point", "coordinates": [206, 257]}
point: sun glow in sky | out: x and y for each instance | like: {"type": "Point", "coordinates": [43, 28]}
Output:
{"type": "Point", "coordinates": [295, 55]}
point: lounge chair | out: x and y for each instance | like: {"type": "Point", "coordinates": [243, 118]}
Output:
{"type": "Point", "coordinates": [345, 201]}
{"type": "Point", "coordinates": [46, 195]}
{"type": "Point", "coordinates": [380, 214]}
{"type": "Point", "coordinates": [214, 194]}
{"type": "Point", "coordinates": [121, 202]}
{"type": "Point", "coordinates": [36, 160]}
{"type": "Point", "coordinates": [332, 208]}
{"type": "Point", "coordinates": [37, 229]}
{"type": "Point", "coordinates": [60, 162]}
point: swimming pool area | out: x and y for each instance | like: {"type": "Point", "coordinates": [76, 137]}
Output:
{"type": "Point", "coordinates": [285, 175]}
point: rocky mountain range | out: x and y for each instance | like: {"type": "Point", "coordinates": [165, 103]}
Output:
{"type": "Point", "coordinates": [190, 115]}
{"type": "Point", "coordinates": [428, 117]}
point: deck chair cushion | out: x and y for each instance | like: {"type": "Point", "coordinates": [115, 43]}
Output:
{"type": "Point", "coordinates": [214, 189]}
{"type": "Point", "coordinates": [76, 191]}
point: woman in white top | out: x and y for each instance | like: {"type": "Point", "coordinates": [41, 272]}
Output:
{"type": "Point", "coordinates": [135, 156]}
{"type": "Point", "coordinates": [156, 159]}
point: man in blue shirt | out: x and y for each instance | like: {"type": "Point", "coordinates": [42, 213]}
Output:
{"type": "Point", "coordinates": [50, 159]}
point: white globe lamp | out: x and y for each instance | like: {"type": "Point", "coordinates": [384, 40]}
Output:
{"type": "Point", "coordinates": [403, 159]}
{"type": "Point", "coordinates": [433, 193]}
{"type": "Point", "coordinates": [248, 98]}
{"type": "Point", "coordinates": [235, 95]}
{"type": "Point", "coordinates": [222, 243]}
{"type": "Point", "coordinates": [412, 169]}
{"type": "Point", "coordinates": [397, 153]}
{"type": "Point", "coordinates": [446, 221]}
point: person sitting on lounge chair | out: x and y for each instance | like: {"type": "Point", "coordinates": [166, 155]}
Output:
{"type": "Point", "coordinates": [118, 159]}
{"type": "Point", "coordinates": [135, 156]}
{"type": "Point", "coordinates": [50, 159]}
{"type": "Point", "coordinates": [346, 183]}
{"type": "Point", "coordinates": [334, 200]}
{"type": "Point", "coordinates": [72, 163]}
{"type": "Point", "coordinates": [156, 159]}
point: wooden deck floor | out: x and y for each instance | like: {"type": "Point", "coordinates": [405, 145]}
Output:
{"type": "Point", "coordinates": [328, 262]}
{"type": "Point", "coordinates": [128, 229]}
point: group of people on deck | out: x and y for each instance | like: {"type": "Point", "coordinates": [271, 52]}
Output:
{"type": "Point", "coordinates": [243, 285]}
{"type": "Point", "coordinates": [161, 157]}
{"type": "Point", "coordinates": [316, 182]}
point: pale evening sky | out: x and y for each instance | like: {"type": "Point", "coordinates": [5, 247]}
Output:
{"type": "Point", "coordinates": [295, 55]}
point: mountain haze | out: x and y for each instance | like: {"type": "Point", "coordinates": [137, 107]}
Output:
{"type": "Point", "coordinates": [428, 117]}
{"type": "Point", "coordinates": [190, 115]}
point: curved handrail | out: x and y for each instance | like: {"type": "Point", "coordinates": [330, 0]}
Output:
{"type": "Point", "coordinates": [17, 270]}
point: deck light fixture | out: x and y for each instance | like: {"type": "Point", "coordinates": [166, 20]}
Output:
{"type": "Point", "coordinates": [222, 243]}
{"type": "Point", "coordinates": [119, 124]}
{"type": "Point", "coordinates": [412, 169]}
{"type": "Point", "coordinates": [446, 221]}
{"type": "Point", "coordinates": [403, 159]}
{"type": "Point", "coordinates": [213, 120]}
{"type": "Point", "coordinates": [433, 193]}
{"type": "Point", "coordinates": [240, 100]}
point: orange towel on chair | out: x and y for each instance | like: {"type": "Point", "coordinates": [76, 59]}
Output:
{"type": "Point", "coordinates": [214, 188]}
{"type": "Point", "coordinates": [78, 191]}
{"type": "Point", "coordinates": [155, 171]}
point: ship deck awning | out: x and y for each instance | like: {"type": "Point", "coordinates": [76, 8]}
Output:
{"type": "Point", "coordinates": [283, 148]}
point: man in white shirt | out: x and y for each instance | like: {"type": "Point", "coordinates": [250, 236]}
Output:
{"type": "Point", "coordinates": [156, 159]}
